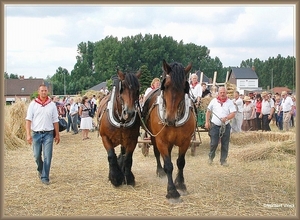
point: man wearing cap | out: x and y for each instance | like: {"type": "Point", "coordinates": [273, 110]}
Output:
{"type": "Point", "coordinates": [287, 106]}
{"type": "Point", "coordinates": [267, 111]}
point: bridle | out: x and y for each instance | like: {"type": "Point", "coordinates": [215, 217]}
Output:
{"type": "Point", "coordinates": [116, 97]}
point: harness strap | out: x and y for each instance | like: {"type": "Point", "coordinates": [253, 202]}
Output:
{"type": "Point", "coordinates": [186, 115]}
{"type": "Point", "coordinates": [111, 117]}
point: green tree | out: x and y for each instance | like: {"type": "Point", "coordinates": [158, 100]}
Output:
{"type": "Point", "coordinates": [146, 79]}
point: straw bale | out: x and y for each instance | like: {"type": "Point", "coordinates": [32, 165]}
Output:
{"type": "Point", "coordinates": [257, 153]}
{"type": "Point", "coordinates": [204, 102]}
{"type": "Point", "coordinates": [97, 94]}
{"type": "Point", "coordinates": [244, 138]}
{"type": "Point", "coordinates": [16, 118]}
{"type": "Point", "coordinates": [288, 146]}
{"type": "Point", "coordinates": [11, 140]}
{"type": "Point", "coordinates": [263, 145]}
{"type": "Point", "coordinates": [231, 88]}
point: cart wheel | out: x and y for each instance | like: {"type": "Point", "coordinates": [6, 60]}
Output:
{"type": "Point", "coordinates": [144, 146]}
{"type": "Point", "coordinates": [193, 146]}
{"type": "Point", "coordinates": [193, 149]}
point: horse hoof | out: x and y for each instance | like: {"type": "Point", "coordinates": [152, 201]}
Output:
{"type": "Point", "coordinates": [116, 181]}
{"type": "Point", "coordinates": [174, 200]}
{"type": "Point", "coordinates": [129, 180]}
{"type": "Point", "coordinates": [182, 192]}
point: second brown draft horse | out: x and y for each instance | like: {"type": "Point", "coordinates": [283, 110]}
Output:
{"type": "Point", "coordinates": [170, 119]}
{"type": "Point", "coordinates": [119, 124]}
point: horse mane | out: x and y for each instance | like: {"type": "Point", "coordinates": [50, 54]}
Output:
{"type": "Point", "coordinates": [131, 81]}
{"type": "Point", "coordinates": [177, 74]}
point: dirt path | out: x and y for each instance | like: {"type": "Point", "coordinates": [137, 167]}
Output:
{"type": "Point", "coordinates": [79, 184]}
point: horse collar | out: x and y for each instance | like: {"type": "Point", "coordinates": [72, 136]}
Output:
{"type": "Point", "coordinates": [111, 117]}
{"type": "Point", "coordinates": [161, 109]}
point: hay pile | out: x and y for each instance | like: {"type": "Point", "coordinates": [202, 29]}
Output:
{"type": "Point", "coordinates": [14, 125]}
{"type": "Point", "coordinates": [278, 151]}
{"type": "Point", "coordinates": [204, 103]}
{"type": "Point", "coordinates": [263, 145]}
{"type": "Point", "coordinates": [252, 137]}
{"type": "Point", "coordinates": [97, 94]}
{"type": "Point", "coordinates": [231, 88]}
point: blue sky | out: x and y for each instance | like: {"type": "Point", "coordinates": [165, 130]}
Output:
{"type": "Point", "coordinates": [40, 38]}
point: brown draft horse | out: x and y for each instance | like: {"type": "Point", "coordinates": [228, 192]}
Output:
{"type": "Point", "coordinates": [119, 125]}
{"type": "Point", "coordinates": [170, 119]}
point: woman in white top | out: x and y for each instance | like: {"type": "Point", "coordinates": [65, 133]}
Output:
{"type": "Point", "coordinates": [196, 88]}
{"type": "Point", "coordinates": [154, 85]}
{"type": "Point", "coordinates": [86, 122]}
{"type": "Point", "coordinates": [248, 114]}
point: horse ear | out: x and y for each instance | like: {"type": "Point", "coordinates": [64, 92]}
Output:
{"type": "Point", "coordinates": [138, 74]}
{"type": "Point", "coordinates": [188, 68]}
{"type": "Point", "coordinates": [121, 75]}
{"type": "Point", "coordinates": [166, 67]}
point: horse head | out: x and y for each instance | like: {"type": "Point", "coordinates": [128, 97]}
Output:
{"type": "Point", "coordinates": [128, 91]}
{"type": "Point", "coordinates": [174, 86]}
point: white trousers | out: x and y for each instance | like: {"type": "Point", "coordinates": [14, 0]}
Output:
{"type": "Point", "coordinates": [236, 122]}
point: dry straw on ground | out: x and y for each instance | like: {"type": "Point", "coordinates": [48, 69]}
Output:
{"type": "Point", "coordinates": [250, 186]}
{"type": "Point", "coordinates": [14, 125]}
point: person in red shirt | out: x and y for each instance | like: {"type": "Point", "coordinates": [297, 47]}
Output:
{"type": "Point", "coordinates": [258, 111]}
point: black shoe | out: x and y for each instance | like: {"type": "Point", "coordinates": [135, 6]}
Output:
{"type": "Point", "coordinates": [45, 182]}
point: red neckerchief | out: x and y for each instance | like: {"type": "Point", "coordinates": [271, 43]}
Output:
{"type": "Point", "coordinates": [221, 101]}
{"type": "Point", "coordinates": [41, 102]}
{"type": "Point", "coordinates": [194, 84]}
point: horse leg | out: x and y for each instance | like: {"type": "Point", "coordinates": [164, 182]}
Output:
{"type": "Point", "coordinates": [115, 175]}
{"type": "Point", "coordinates": [179, 181]}
{"type": "Point", "coordinates": [172, 192]}
{"type": "Point", "coordinates": [127, 165]}
{"type": "Point", "coordinates": [159, 169]}
{"type": "Point", "coordinates": [121, 157]}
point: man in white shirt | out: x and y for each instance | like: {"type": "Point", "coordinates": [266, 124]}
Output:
{"type": "Point", "coordinates": [41, 127]}
{"type": "Point", "coordinates": [267, 111]}
{"type": "Point", "coordinates": [237, 121]}
{"type": "Point", "coordinates": [220, 110]}
{"type": "Point", "coordinates": [287, 106]}
{"type": "Point", "coordinates": [94, 103]}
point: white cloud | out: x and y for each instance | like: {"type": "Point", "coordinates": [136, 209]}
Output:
{"type": "Point", "coordinates": [40, 39]}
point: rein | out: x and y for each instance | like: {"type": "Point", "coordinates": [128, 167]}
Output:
{"type": "Point", "coordinates": [223, 126]}
{"type": "Point", "coordinates": [145, 127]}
{"type": "Point", "coordinates": [159, 103]}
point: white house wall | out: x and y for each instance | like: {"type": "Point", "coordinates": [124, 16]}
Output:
{"type": "Point", "coordinates": [247, 83]}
